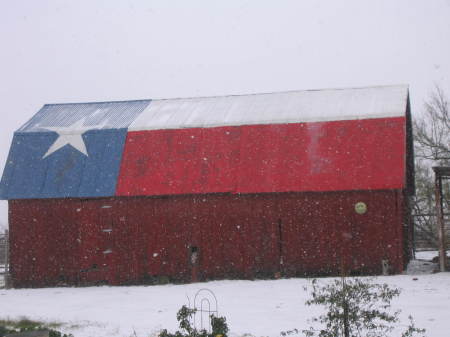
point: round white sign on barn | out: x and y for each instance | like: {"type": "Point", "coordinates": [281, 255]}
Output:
{"type": "Point", "coordinates": [360, 208]}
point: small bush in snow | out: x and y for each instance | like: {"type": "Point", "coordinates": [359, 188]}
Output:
{"type": "Point", "coordinates": [219, 327]}
{"type": "Point", "coordinates": [356, 307]}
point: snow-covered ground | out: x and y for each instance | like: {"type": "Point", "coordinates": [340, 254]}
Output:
{"type": "Point", "coordinates": [260, 308]}
{"type": "Point", "coordinates": [427, 255]}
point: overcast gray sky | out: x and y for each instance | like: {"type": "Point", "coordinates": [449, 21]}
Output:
{"type": "Point", "coordinates": [86, 50]}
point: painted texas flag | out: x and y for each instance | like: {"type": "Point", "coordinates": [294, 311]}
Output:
{"type": "Point", "coordinates": [318, 140]}
{"type": "Point", "coordinates": [69, 150]}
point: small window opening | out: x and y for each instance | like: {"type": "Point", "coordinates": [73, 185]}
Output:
{"type": "Point", "coordinates": [194, 252]}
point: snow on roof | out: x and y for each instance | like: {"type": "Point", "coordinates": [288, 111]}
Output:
{"type": "Point", "coordinates": [85, 150]}
{"type": "Point", "coordinates": [269, 108]}
{"type": "Point", "coordinates": [274, 108]}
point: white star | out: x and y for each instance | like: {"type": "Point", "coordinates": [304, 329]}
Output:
{"type": "Point", "coordinates": [70, 135]}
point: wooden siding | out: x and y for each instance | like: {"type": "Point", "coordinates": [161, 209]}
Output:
{"type": "Point", "coordinates": [149, 239]}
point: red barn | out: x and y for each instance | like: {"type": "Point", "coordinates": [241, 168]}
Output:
{"type": "Point", "coordinates": [290, 183]}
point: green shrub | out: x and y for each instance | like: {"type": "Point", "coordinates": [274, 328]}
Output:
{"type": "Point", "coordinates": [219, 326]}
{"type": "Point", "coordinates": [356, 307]}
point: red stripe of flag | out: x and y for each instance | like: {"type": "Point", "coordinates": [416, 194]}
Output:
{"type": "Point", "coordinates": [320, 156]}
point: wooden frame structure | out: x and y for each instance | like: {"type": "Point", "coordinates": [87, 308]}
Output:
{"type": "Point", "coordinates": [441, 172]}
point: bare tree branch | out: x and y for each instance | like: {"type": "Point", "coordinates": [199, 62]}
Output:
{"type": "Point", "coordinates": [432, 147]}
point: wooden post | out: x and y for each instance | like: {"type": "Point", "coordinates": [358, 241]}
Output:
{"type": "Point", "coordinates": [440, 220]}
{"type": "Point", "coordinates": [6, 275]}
{"type": "Point", "coordinates": [345, 322]}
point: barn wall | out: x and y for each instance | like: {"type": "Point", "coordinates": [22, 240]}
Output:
{"type": "Point", "coordinates": [144, 240]}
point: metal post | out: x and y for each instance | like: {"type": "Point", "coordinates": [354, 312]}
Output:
{"type": "Point", "coordinates": [440, 221]}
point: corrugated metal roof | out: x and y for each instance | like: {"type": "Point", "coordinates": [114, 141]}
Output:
{"type": "Point", "coordinates": [274, 108]}
{"type": "Point", "coordinates": [270, 108]}
{"type": "Point", "coordinates": [298, 157]}
{"type": "Point", "coordinates": [103, 115]}
{"type": "Point", "coordinates": [32, 171]}
{"type": "Point", "coordinates": [85, 149]}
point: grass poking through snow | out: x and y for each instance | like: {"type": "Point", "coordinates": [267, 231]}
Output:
{"type": "Point", "coordinates": [24, 323]}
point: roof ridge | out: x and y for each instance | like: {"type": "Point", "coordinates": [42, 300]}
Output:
{"type": "Point", "coordinates": [101, 102]}
{"type": "Point", "coordinates": [288, 91]}
{"type": "Point", "coordinates": [235, 95]}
